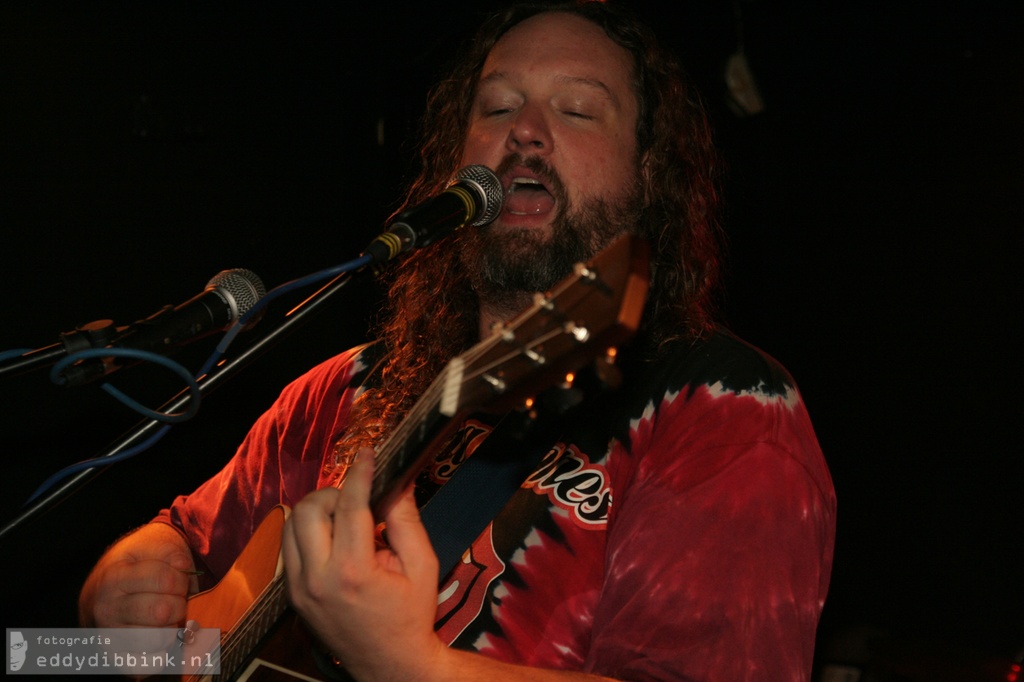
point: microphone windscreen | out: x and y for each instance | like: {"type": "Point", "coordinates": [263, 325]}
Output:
{"type": "Point", "coordinates": [489, 188]}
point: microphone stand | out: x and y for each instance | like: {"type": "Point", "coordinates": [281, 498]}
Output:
{"type": "Point", "coordinates": [144, 429]}
{"type": "Point", "coordinates": [36, 358]}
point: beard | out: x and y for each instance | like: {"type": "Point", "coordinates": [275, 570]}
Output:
{"type": "Point", "coordinates": [506, 267]}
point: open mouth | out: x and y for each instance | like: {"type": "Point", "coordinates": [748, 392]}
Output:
{"type": "Point", "coordinates": [528, 196]}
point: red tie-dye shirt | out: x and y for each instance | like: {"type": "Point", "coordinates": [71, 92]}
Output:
{"type": "Point", "coordinates": [682, 528]}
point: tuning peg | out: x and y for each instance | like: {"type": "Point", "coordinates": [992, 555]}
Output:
{"type": "Point", "coordinates": [590, 276]}
{"type": "Point", "coordinates": [496, 382]}
{"type": "Point", "coordinates": [581, 334]}
{"type": "Point", "coordinates": [585, 272]}
{"type": "Point", "coordinates": [543, 301]}
{"type": "Point", "coordinates": [606, 371]}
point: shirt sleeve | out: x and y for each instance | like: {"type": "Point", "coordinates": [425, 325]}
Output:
{"type": "Point", "coordinates": [279, 462]}
{"type": "Point", "coordinates": [720, 548]}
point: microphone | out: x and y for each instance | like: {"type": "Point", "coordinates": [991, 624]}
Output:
{"type": "Point", "coordinates": [226, 298]}
{"type": "Point", "coordinates": [474, 198]}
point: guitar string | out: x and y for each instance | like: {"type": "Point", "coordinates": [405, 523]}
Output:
{"type": "Point", "coordinates": [417, 415]}
{"type": "Point", "coordinates": [253, 626]}
{"type": "Point", "coordinates": [389, 451]}
{"type": "Point", "coordinates": [512, 354]}
{"type": "Point", "coordinates": [533, 343]}
{"type": "Point", "coordinates": [273, 598]}
{"type": "Point", "coordinates": [250, 628]}
{"type": "Point", "coordinates": [253, 623]}
{"type": "Point", "coordinates": [388, 454]}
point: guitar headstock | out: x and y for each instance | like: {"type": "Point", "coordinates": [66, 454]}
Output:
{"type": "Point", "coordinates": [593, 310]}
{"type": "Point", "coordinates": [596, 308]}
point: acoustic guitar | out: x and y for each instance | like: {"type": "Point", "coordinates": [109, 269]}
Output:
{"type": "Point", "coordinates": [580, 320]}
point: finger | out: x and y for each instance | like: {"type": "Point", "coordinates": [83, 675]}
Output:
{"type": "Point", "coordinates": [290, 550]}
{"type": "Point", "coordinates": [149, 576]}
{"type": "Point", "coordinates": [159, 610]}
{"type": "Point", "coordinates": [150, 610]}
{"type": "Point", "coordinates": [354, 536]}
{"type": "Point", "coordinates": [409, 540]}
{"type": "Point", "coordinates": [182, 562]}
{"type": "Point", "coordinates": [308, 530]}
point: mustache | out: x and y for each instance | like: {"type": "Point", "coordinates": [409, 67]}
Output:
{"type": "Point", "coordinates": [552, 181]}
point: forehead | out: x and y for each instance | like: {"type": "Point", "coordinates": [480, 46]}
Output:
{"type": "Point", "coordinates": [560, 45]}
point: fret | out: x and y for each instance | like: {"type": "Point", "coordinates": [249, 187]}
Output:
{"type": "Point", "coordinates": [237, 644]}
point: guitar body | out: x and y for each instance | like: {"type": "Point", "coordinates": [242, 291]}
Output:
{"type": "Point", "coordinates": [225, 605]}
{"type": "Point", "coordinates": [246, 602]}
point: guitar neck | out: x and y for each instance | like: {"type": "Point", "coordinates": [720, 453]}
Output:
{"type": "Point", "coordinates": [412, 446]}
{"type": "Point", "coordinates": [596, 308]}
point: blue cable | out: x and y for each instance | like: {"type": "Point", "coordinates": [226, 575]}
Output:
{"type": "Point", "coordinates": [89, 463]}
{"type": "Point", "coordinates": [277, 292]}
{"type": "Point", "coordinates": [13, 353]}
{"type": "Point", "coordinates": [190, 380]}
{"type": "Point", "coordinates": [58, 368]}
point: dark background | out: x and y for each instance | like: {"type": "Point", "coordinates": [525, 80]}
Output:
{"type": "Point", "coordinates": [874, 212]}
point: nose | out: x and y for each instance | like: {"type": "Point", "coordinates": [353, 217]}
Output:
{"type": "Point", "coordinates": [530, 132]}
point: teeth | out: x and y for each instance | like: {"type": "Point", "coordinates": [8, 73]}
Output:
{"type": "Point", "coordinates": [525, 181]}
{"type": "Point", "coordinates": [529, 201]}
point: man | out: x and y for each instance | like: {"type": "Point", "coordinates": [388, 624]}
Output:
{"type": "Point", "coordinates": [699, 546]}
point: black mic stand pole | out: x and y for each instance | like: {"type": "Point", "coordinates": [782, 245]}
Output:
{"type": "Point", "coordinates": [146, 428]}
{"type": "Point", "coordinates": [36, 358]}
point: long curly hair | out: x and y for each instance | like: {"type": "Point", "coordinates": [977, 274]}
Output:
{"type": "Point", "coordinates": [432, 313]}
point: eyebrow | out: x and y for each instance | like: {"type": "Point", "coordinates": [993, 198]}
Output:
{"type": "Point", "coordinates": [594, 83]}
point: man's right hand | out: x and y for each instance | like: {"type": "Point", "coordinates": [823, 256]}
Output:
{"type": "Point", "coordinates": [143, 580]}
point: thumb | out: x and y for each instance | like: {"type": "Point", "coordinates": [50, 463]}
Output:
{"type": "Point", "coordinates": [179, 560]}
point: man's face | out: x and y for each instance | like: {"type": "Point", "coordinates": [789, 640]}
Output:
{"type": "Point", "coordinates": [19, 648]}
{"type": "Point", "coordinates": [555, 115]}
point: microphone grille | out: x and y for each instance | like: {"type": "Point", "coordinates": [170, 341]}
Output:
{"type": "Point", "coordinates": [490, 190]}
{"type": "Point", "coordinates": [243, 286]}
